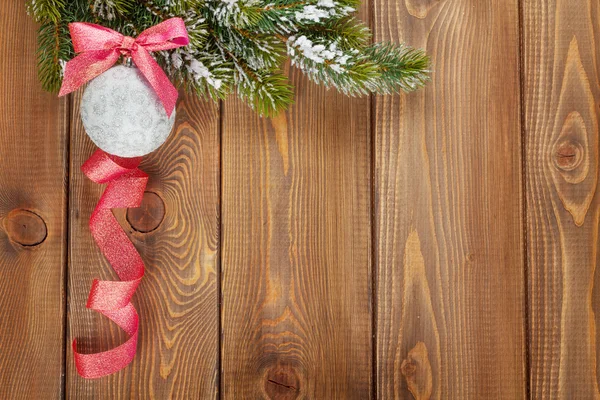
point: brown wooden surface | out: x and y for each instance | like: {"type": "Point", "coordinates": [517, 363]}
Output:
{"type": "Point", "coordinates": [561, 71]}
{"type": "Point", "coordinates": [296, 270]}
{"type": "Point", "coordinates": [296, 249]}
{"type": "Point", "coordinates": [449, 253]}
{"type": "Point", "coordinates": [438, 245]}
{"type": "Point", "coordinates": [33, 153]}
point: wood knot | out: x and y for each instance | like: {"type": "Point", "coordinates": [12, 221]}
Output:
{"type": "Point", "coordinates": [417, 372]}
{"type": "Point", "coordinates": [149, 215]}
{"type": "Point", "coordinates": [25, 228]}
{"type": "Point", "coordinates": [282, 382]}
{"type": "Point", "coordinates": [573, 156]}
{"type": "Point", "coordinates": [420, 8]}
{"type": "Point", "coordinates": [568, 155]}
{"type": "Point", "coordinates": [408, 368]}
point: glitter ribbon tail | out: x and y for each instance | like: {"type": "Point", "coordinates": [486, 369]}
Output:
{"type": "Point", "coordinates": [126, 185]}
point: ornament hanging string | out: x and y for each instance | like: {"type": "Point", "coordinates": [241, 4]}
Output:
{"type": "Point", "coordinates": [126, 185]}
{"type": "Point", "coordinates": [99, 48]}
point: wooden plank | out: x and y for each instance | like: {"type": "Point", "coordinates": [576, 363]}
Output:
{"type": "Point", "coordinates": [177, 300]}
{"type": "Point", "coordinates": [561, 73]}
{"type": "Point", "coordinates": [33, 151]}
{"type": "Point", "coordinates": [296, 312]}
{"type": "Point", "coordinates": [448, 222]}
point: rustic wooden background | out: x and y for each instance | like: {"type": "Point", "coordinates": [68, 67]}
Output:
{"type": "Point", "coordinates": [440, 245]}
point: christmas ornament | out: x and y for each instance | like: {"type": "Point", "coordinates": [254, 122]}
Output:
{"type": "Point", "coordinates": [127, 112]}
{"type": "Point", "coordinates": [122, 114]}
{"type": "Point", "coordinates": [99, 48]}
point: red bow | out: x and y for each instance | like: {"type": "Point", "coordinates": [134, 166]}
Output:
{"type": "Point", "coordinates": [101, 47]}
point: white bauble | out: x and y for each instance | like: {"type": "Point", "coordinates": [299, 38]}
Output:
{"type": "Point", "coordinates": [122, 114]}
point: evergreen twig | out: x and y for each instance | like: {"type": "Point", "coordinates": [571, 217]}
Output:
{"type": "Point", "coordinates": [240, 45]}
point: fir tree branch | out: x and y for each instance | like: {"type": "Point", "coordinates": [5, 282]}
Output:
{"type": "Point", "coordinates": [240, 45]}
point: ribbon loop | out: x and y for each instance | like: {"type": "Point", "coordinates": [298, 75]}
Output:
{"type": "Point", "coordinates": [99, 49]}
{"type": "Point", "coordinates": [164, 36]}
{"type": "Point", "coordinates": [90, 37]}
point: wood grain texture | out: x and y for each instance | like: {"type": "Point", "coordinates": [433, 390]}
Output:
{"type": "Point", "coordinates": [438, 182]}
{"type": "Point", "coordinates": [448, 225]}
{"type": "Point", "coordinates": [177, 299]}
{"type": "Point", "coordinates": [561, 74]}
{"type": "Point", "coordinates": [296, 312]}
{"type": "Point", "coordinates": [33, 152]}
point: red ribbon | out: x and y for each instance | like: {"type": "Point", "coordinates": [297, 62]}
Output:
{"type": "Point", "coordinates": [126, 185]}
{"type": "Point", "coordinates": [101, 47]}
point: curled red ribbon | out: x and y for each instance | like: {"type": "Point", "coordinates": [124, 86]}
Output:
{"type": "Point", "coordinates": [101, 47]}
{"type": "Point", "coordinates": [126, 185]}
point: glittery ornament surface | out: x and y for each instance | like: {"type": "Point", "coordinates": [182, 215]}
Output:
{"type": "Point", "coordinates": [122, 114]}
